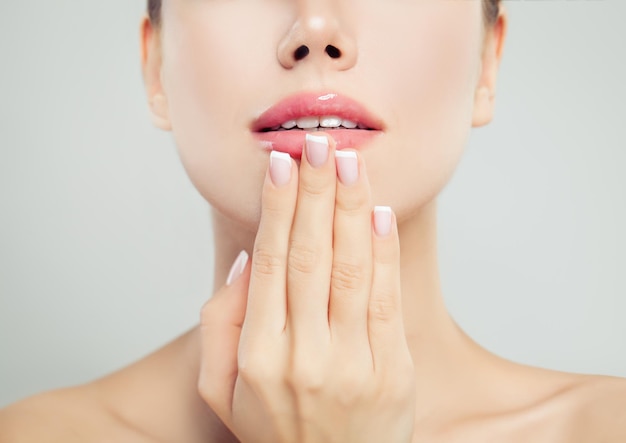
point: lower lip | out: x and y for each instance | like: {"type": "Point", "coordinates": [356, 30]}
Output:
{"type": "Point", "coordinates": [292, 141]}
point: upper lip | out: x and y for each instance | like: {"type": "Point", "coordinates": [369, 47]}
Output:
{"type": "Point", "coordinates": [316, 104]}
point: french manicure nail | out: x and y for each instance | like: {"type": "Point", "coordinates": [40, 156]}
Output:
{"type": "Point", "coordinates": [382, 220]}
{"type": "Point", "coordinates": [280, 168]}
{"type": "Point", "coordinates": [347, 167]}
{"type": "Point", "coordinates": [237, 268]}
{"type": "Point", "coordinates": [316, 149]}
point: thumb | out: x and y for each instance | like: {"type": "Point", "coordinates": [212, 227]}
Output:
{"type": "Point", "coordinates": [220, 327]}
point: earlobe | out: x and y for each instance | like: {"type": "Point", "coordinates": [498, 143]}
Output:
{"type": "Point", "coordinates": [151, 71]}
{"type": "Point", "coordinates": [484, 101]}
{"type": "Point", "coordinates": [159, 112]}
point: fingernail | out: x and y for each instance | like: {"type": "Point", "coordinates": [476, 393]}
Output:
{"type": "Point", "coordinates": [347, 167]}
{"type": "Point", "coordinates": [316, 149]}
{"type": "Point", "coordinates": [382, 220]}
{"type": "Point", "coordinates": [280, 168]}
{"type": "Point", "coordinates": [237, 268]}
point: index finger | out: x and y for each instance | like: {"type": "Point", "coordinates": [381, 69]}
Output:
{"type": "Point", "coordinates": [267, 305]}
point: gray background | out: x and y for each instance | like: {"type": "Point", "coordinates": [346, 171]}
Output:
{"type": "Point", "coordinates": [105, 246]}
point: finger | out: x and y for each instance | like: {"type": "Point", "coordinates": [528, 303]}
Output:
{"type": "Point", "coordinates": [267, 306]}
{"type": "Point", "coordinates": [310, 246]}
{"type": "Point", "coordinates": [385, 325]}
{"type": "Point", "coordinates": [351, 275]}
{"type": "Point", "coordinates": [220, 329]}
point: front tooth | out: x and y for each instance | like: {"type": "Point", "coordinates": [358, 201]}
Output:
{"type": "Point", "coordinates": [349, 124]}
{"type": "Point", "coordinates": [308, 122]}
{"type": "Point", "coordinates": [330, 121]}
{"type": "Point", "coordinates": [289, 124]}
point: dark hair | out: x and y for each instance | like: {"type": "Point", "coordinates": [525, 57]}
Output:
{"type": "Point", "coordinates": [154, 12]}
{"type": "Point", "coordinates": [490, 11]}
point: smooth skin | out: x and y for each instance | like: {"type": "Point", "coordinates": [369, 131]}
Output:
{"type": "Point", "coordinates": [431, 79]}
{"type": "Point", "coordinates": [266, 378]}
{"type": "Point", "coordinates": [322, 355]}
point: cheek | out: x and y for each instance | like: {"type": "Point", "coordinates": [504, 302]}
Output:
{"type": "Point", "coordinates": [426, 69]}
{"type": "Point", "coordinates": [211, 62]}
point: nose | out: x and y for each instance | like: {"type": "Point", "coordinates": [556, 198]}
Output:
{"type": "Point", "coordinates": [319, 35]}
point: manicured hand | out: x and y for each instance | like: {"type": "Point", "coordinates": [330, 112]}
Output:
{"type": "Point", "coordinates": [306, 343]}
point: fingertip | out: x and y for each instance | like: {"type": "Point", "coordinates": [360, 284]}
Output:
{"type": "Point", "coordinates": [227, 306]}
{"type": "Point", "coordinates": [383, 221]}
{"type": "Point", "coordinates": [280, 184]}
{"type": "Point", "coordinates": [317, 149]}
{"type": "Point", "coordinates": [385, 239]}
{"type": "Point", "coordinates": [237, 267]}
{"type": "Point", "coordinates": [238, 275]}
{"type": "Point", "coordinates": [280, 168]}
{"type": "Point", "coordinates": [332, 144]}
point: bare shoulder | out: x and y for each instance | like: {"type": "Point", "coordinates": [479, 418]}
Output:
{"type": "Point", "coordinates": [66, 415]}
{"type": "Point", "coordinates": [38, 418]}
{"type": "Point", "coordinates": [547, 406]}
{"type": "Point", "coordinates": [600, 412]}
{"type": "Point", "coordinates": [589, 408]}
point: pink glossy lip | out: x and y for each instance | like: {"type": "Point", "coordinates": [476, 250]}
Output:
{"type": "Point", "coordinates": [315, 104]}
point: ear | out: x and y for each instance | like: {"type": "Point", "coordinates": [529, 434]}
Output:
{"type": "Point", "coordinates": [151, 65]}
{"type": "Point", "coordinates": [485, 94]}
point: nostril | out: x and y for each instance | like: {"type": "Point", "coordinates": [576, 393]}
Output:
{"type": "Point", "coordinates": [333, 51]}
{"type": "Point", "coordinates": [301, 52]}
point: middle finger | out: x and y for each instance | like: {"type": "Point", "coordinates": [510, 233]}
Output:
{"type": "Point", "coordinates": [310, 245]}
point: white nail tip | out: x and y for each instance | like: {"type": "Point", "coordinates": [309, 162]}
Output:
{"type": "Point", "coordinates": [237, 267]}
{"type": "Point", "coordinates": [345, 154]}
{"type": "Point", "coordinates": [382, 220]}
{"type": "Point", "coordinates": [280, 156]}
{"type": "Point", "coordinates": [316, 138]}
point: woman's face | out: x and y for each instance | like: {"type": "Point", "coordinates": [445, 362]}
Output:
{"type": "Point", "coordinates": [414, 64]}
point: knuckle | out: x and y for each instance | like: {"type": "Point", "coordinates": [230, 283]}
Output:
{"type": "Point", "coordinates": [351, 389]}
{"type": "Point", "coordinates": [313, 186]}
{"type": "Point", "coordinates": [273, 213]}
{"type": "Point", "coordinates": [306, 386]}
{"type": "Point", "coordinates": [353, 203]}
{"type": "Point", "coordinates": [255, 368]}
{"type": "Point", "coordinates": [382, 308]}
{"type": "Point", "coordinates": [264, 263]}
{"type": "Point", "coordinates": [302, 258]}
{"type": "Point", "coordinates": [305, 381]}
{"type": "Point", "coordinates": [346, 276]}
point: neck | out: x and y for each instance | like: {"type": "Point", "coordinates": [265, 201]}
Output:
{"type": "Point", "coordinates": [423, 307]}
{"type": "Point", "coordinates": [446, 359]}
{"type": "Point", "coordinates": [449, 367]}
